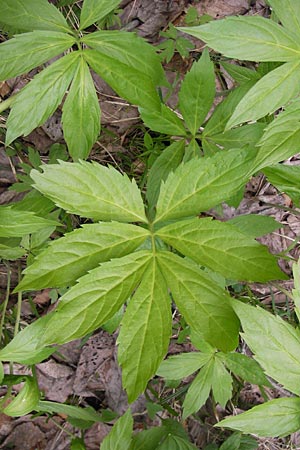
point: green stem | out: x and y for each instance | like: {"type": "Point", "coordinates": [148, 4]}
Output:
{"type": "Point", "coordinates": [7, 103]}
{"type": "Point", "coordinates": [19, 304]}
{"type": "Point", "coordinates": [4, 307]}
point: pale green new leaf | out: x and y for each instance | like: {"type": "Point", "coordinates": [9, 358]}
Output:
{"type": "Point", "coordinates": [199, 390]}
{"type": "Point", "coordinates": [26, 51]}
{"type": "Point", "coordinates": [145, 332]}
{"type": "Point", "coordinates": [95, 298]}
{"type": "Point", "coordinates": [163, 121]}
{"type": "Point", "coordinates": [29, 15]}
{"type": "Point", "coordinates": [119, 437]}
{"type": "Point", "coordinates": [91, 190]}
{"type": "Point", "coordinates": [278, 417]}
{"type": "Point", "coordinates": [246, 368]}
{"type": "Point", "coordinates": [212, 244]}
{"type": "Point", "coordinates": [25, 347]}
{"type": "Point", "coordinates": [288, 12]}
{"type": "Point", "coordinates": [25, 401]}
{"type": "Point", "coordinates": [281, 137]}
{"type": "Point", "coordinates": [197, 92]}
{"type": "Point", "coordinates": [183, 365]}
{"type": "Point", "coordinates": [296, 291]}
{"type": "Point", "coordinates": [68, 258]}
{"type": "Point", "coordinates": [129, 49]}
{"type": "Point", "coordinates": [15, 223]}
{"type": "Point", "coordinates": [250, 38]}
{"type": "Point", "coordinates": [221, 382]}
{"type": "Point", "coordinates": [281, 347]}
{"type": "Point", "coordinates": [271, 92]}
{"type": "Point", "coordinates": [40, 98]}
{"type": "Point", "coordinates": [204, 305]}
{"type": "Point", "coordinates": [286, 179]}
{"type": "Point", "coordinates": [201, 184]}
{"type": "Point", "coordinates": [81, 114]}
{"type": "Point", "coordinates": [167, 161]}
{"type": "Point", "coordinates": [130, 83]}
{"type": "Point", "coordinates": [95, 10]}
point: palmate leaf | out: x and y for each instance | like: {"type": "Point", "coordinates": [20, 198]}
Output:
{"type": "Point", "coordinates": [281, 137]}
{"type": "Point", "coordinates": [95, 298]}
{"type": "Point", "coordinates": [29, 15]}
{"type": "Point", "coordinates": [15, 223]}
{"type": "Point", "coordinates": [204, 305]}
{"type": "Point", "coordinates": [130, 83]}
{"type": "Point", "coordinates": [251, 38]}
{"type": "Point", "coordinates": [271, 92]}
{"type": "Point", "coordinates": [40, 98]}
{"type": "Point", "coordinates": [70, 257]}
{"type": "Point", "coordinates": [288, 13]}
{"type": "Point", "coordinates": [119, 437]}
{"type": "Point", "coordinates": [281, 347]}
{"type": "Point", "coordinates": [26, 51]}
{"type": "Point", "coordinates": [279, 417]}
{"type": "Point", "coordinates": [197, 92]}
{"type": "Point", "coordinates": [129, 49]}
{"type": "Point", "coordinates": [145, 332]}
{"type": "Point", "coordinates": [94, 10]}
{"type": "Point", "coordinates": [91, 190]}
{"type": "Point", "coordinates": [222, 248]}
{"type": "Point", "coordinates": [81, 114]}
{"type": "Point", "coordinates": [185, 191]}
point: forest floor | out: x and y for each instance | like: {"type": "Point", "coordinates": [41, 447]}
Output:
{"type": "Point", "coordinates": [90, 372]}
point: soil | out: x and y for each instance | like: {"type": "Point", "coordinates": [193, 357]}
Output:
{"type": "Point", "coordinates": [89, 374]}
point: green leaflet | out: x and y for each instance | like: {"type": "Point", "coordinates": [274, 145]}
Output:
{"type": "Point", "coordinates": [221, 382]}
{"type": "Point", "coordinates": [145, 332]}
{"type": "Point", "coordinates": [251, 38]}
{"type": "Point", "coordinates": [175, 443]}
{"type": "Point", "coordinates": [192, 150]}
{"type": "Point", "coordinates": [204, 305]}
{"type": "Point", "coordinates": [119, 437]}
{"type": "Point", "coordinates": [91, 190]}
{"type": "Point", "coordinates": [199, 390]}
{"type": "Point", "coordinates": [128, 82]}
{"type": "Point", "coordinates": [281, 347]}
{"type": "Point", "coordinates": [240, 74]}
{"type": "Point", "coordinates": [81, 103]}
{"type": "Point", "coordinates": [15, 223]}
{"type": "Point", "coordinates": [288, 13]}
{"type": "Point", "coordinates": [68, 258]}
{"type": "Point", "coordinates": [199, 184]}
{"type": "Point", "coordinates": [163, 120]}
{"type": "Point", "coordinates": [296, 291]}
{"type": "Point", "coordinates": [281, 137]}
{"type": "Point", "coordinates": [182, 365]}
{"type": "Point", "coordinates": [246, 368]}
{"type": "Point", "coordinates": [40, 98]}
{"type": "Point", "coordinates": [271, 92]}
{"type": "Point", "coordinates": [129, 49]}
{"type": "Point", "coordinates": [197, 92]}
{"type": "Point", "coordinates": [286, 179]}
{"type": "Point", "coordinates": [25, 347]}
{"type": "Point", "coordinates": [167, 161]}
{"type": "Point", "coordinates": [87, 414]}
{"type": "Point", "coordinates": [213, 243]}
{"type": "Point", "coordinates": [254, 225]}
{"type": "Point", "coordinates": [278, 417]}
{"type": "Point", "coordinates": [95, 298]}
{"type": "Point", "coordinates": [29, 15]}
{"type": "Point", "coordinates": [26, 51]}
{"type": "Point", "coordinates": [26, 400]}
{"type": "Point", "coordinates": [95, 10]}
{"type": "Point", "coordinates": [238, 137]}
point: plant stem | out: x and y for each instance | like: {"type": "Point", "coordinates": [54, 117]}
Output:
{"type": "Point", "coordinates": [19, 304]}
{"type": "Point", "coordinates": [4, 307]}
{"type": "Point", "coordinates": [7, 103]}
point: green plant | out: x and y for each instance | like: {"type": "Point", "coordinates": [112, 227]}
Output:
{"type": "Point", "coordinates": [172, 44]}
{"type": "Point", "coordinates": [123, 60]}
{"type": "Point", "coordinates": [138, 259]}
